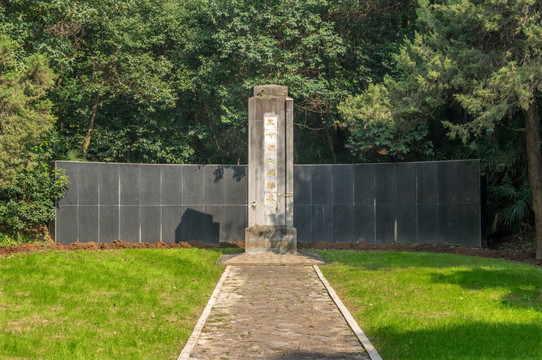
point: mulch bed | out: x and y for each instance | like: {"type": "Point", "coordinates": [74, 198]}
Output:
{"type": "Point", "coordinates": [519, 255]}
{"type": "Point", "coordinates": [115, 245]}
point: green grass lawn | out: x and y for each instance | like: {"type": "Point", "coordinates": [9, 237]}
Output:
{"type": "Point", "coordinates": [440, 306]}
{"type": "Point", "coordinates": [143, 304]}
{"type": "Point", "coordinates": [122, 304]}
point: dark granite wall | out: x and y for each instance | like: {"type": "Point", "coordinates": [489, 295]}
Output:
{"type": "Point", "coordinates": [426, 202]}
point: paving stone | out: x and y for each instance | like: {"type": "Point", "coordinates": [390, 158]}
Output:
{"type": "Point", "coordinates": [275, 313]}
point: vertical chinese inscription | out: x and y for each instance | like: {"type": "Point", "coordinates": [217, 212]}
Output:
{"type": "Point", "coordinates": [270, 163]}
{"type": "Point", "coordinates": [270, 171]}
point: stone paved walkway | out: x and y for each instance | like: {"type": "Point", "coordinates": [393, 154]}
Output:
{"type": "Point", "coordinates": [275, 312]}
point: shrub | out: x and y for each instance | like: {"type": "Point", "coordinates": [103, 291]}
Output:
{"type": "Point", "coordinates": [28, 202]}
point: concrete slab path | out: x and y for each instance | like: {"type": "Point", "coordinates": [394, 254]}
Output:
{"type": "Point", "coordinates": [274, 313]}
{"type": "Point", "coordinates": [269, 258]}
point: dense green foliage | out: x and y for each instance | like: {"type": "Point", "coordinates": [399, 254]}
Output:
{"type": "Point", "coordinates": [168, 81]}
{"type": "Point", "coordinates": [27, 202]}
{"type": "Point", "coordinates": [441, 306]}
{"type": "Point", "coordinates": [27, 189]}
{"type": "Point", "coordinates": [372, 80]}
{"type": "Point", "coordinates": [471, 65]}
{"type": "Point", "coordinates": [25, 113]}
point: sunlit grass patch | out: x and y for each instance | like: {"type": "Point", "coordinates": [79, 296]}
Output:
{"type": "Point", "coordinates": [122, 304]}
{"type": "Point", "coordinates": [441, 306]}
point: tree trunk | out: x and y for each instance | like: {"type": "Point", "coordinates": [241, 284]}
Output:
{"type": "Point", "coordinates": [217, 144]}
{"type": "Point", "coordinates": [328, 135]}
{"type": "Point", "coordinates": [60, 103]}
{"type": "Point", "coordinates": [534, 163]}
{"type": "Point", "coordinates": [86, 143]}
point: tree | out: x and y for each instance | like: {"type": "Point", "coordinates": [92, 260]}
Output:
{"type": "Point", "coordinates": [117, 54]}
{"type": "Point", "coordinates": [116, 80]}
{"type": "Point", "coordinates": [240, 44]}
{"type": "Point", "coordinates": [25, 113]}
{"type": "Point", "coordinates": [167, 81]}
{"type": "Point", "coordinates": [27, 189]}
{"type": "Point", "coordinates": [321, 50]}
{"type": "Point", "coordinates": [482, 60]}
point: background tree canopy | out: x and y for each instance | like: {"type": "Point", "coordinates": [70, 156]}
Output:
{"type": "Point", "coordinates": [373, 80]}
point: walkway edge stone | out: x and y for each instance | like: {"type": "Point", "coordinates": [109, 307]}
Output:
{"type": "Point", "coordinates": [192, 340]}
{"type": "Point", "coordinates": [373, 354]}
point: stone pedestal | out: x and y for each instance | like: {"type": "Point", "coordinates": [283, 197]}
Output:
{"type": "Point", "coordinates": [279, 239]}
{"type": "Point", "coordinates": [270, 172]}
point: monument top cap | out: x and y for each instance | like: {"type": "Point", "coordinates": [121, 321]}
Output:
{"type": "Point", "coordinates": [271, 90]}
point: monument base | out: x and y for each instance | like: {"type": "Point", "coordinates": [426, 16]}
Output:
{"type": "Point", "coordinates": [265, 238]}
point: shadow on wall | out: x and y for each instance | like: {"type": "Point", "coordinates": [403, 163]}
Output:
{"type": "Point", "coordinates": [239, 172]}
{"type": "Point", "coordinates": [196, 225]}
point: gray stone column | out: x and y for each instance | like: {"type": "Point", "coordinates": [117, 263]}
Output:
{"type": "Point", "coordinates": [270, 171]}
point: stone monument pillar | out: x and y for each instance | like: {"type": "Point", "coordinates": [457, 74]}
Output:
{"type": "Point", "coordinates": [270, 171]}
